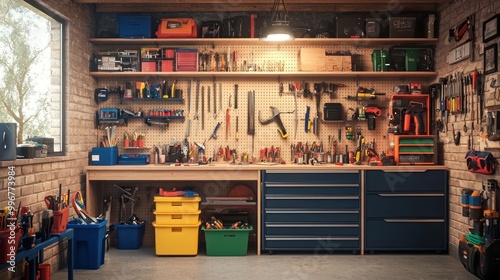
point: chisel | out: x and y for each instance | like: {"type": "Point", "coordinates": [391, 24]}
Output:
{"type": "Point", "coordinates": [208, 97]}
{"type": "Point", "coordinates": [251, 117]}
{"type": "Point", "coordinates": [236, 108]}
{"type": "Point", "coordinates": [196, 106]}
{"type": "Point", "coordinates": [188, 126]}
{"type": "Point", "coordinates": [215, 100]}
{"type": "Point", "coordinates": [203, 108]}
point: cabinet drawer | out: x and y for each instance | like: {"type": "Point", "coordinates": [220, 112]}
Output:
{"type": "Point", "coordinates": [310, 243]}
{"type": "Point", "coordinates": [311, 202]}
{"type": "Point", "coordinates": [427, 181]}
{"type": "Point", "coordinates": [309, 176]}
{"type": "Point", "coordinates": [414, 205]}
{"type": "Point", "coordinates": [311, 216]}
{"type": "Point", "coordinates": [312, 189]}
{"type": "Point", "coordinates": [311, 229]}
{"type": "Point", "coordinates": [406, 234]}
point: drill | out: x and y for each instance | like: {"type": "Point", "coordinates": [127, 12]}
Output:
{"type": "Point", "coordinates": [372, 112]}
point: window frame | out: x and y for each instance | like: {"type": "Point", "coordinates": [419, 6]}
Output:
{"type": "Point", "coordinates": [64, 74]}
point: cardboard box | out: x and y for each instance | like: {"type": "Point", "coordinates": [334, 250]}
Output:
{"type": "Point", "coordinates": [316, 60]}
{"type": "Point", "coordinates": [312, 60]}
{"type": "Point", "coordinates": [338, 63]}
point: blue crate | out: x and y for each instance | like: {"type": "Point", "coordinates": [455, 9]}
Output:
{"type": "Point", "coordinates": [133, 26]}
{"type": "Point", "coordinates": [104, 156]}
{"type": "Point", "coordinates": [89, 244]}
{"type": "Point", "coordinates": [130, 236]}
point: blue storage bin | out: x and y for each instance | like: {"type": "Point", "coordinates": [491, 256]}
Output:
{"type": "Point", "coordinates": [130, 236]}
{"type": "Point", "coordinates": [104, 156]}
{"type": "Point", "coordinates": [134, 26]}
{"type": "Point", "coordinates": [89, 244]}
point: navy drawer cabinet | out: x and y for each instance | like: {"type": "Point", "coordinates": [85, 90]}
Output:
{"type": "Point", "coordinates": [406, 210]}
{"type": "Point", "coordinates": [311, 210]}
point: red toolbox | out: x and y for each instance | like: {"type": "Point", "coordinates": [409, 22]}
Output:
{"type": "Point", "coordinates": [177, 28]}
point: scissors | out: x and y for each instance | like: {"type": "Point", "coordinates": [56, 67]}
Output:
{"type": "Point", "coordinates": [51, 202]}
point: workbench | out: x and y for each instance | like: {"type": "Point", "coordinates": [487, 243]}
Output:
{"type": "Point", "coordinates": [34, 256]}
{"type": "Point", "coordinates": [396, 178]}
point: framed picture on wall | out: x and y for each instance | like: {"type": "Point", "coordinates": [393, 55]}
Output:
{"type": "Point", "coordinates": [491, 27]}
{"type": "Point", "coordinates": [490, 59]}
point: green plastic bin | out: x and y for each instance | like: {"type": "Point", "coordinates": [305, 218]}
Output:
{"type": "Point", "coordinates": [226, 242]}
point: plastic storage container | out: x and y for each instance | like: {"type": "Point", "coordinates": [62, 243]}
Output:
{"type": "Point", "coordinates": [177, 218]}
{"type": "Point", "coordinates": [60, 220]}
{"type": "Point", "coordinates": [130, 236]}
{"type": "Point", "coordinates": [104, 156]}
{"type": "Point", "coordinates": [226, 242]}
{"type": "Point", "coordinates": [176, 240]}
{"type": "Point", "coordinates": [89, 244]}
{"type": "Point", "coordinates": [380, 60]}
{"type": "Point", "coordinates": [177, 204]}
{"type": "Point", "coordinates": [134, 26]}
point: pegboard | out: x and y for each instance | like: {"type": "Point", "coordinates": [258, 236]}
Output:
{"type": "Point", "coordinates": [144, 200]}
{"type": "Point", "coordinates": [266, 95]}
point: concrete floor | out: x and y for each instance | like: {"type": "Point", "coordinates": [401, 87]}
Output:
{"type": "Point", "coordinates": [144, 264]}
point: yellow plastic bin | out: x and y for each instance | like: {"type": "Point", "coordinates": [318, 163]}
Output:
{"type": "Point", "coordinates": [177, 204]}
{"type": "Point", "coordinates": [177, 218]}
{"type": "Point", "coordinates": [176, 240]}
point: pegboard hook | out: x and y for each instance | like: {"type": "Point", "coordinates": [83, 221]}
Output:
{"type": "Point", "coordinates": [356, 79]}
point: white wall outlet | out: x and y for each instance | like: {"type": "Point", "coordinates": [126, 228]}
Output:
{"type": "Point", "coordinates": [481, 48]}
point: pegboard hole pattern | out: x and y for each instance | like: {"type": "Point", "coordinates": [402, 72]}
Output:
{"type": "Point", "coordinates": [266, 95]}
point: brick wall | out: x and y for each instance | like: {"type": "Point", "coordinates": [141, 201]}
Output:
{"type": "Point", "coordinates": [36, 178]}
{"type": "Point", "coordinates": [451, 15]}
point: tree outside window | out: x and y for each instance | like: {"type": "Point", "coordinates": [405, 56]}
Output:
{"type": "Point", "coordinates": [31, 71]}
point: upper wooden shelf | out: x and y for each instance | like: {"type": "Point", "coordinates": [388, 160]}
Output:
{"type": "Point", "coordinates": [255, 41]}
{"type": "Point", "coordinates": [157, 6]}
{"type": "Point", "coordinates": [403, 74]}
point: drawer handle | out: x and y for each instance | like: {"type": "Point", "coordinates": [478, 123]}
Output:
{"type": "Point", "coordinates": [313, 197]}
{"type": "Point", "coordinates": [273, 185]}
{"type": "Point", "coordinates": [309, 172]}
{"type": "Point", "coordinates": [312, 238]}
{"type": "Point", "coordinates": [313, 225]}
{"type": "Point", "coordinates": [403, 170]}
{"type": "Point", "coordinates": [311, 212]}
{"type": "Point", "coordinates": [413, 221]}
{"type": "Point", "coordinates": [411, 194]}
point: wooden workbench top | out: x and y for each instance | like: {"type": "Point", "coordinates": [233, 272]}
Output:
{"type": "Point", "coordinates": [259, 167]}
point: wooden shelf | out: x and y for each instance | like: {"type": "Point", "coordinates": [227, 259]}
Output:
{"type": "Point", "coordinates": [367, 74]}
{"type": "Point", "coordinates": [254, 41]}
{"type": "Point", "coordinates": [152, 99]}
{"type": "Point", "coordinates": [136, 148]}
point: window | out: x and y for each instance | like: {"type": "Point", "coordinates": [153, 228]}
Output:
{"type": "Point", "coordinates": [32, 72]}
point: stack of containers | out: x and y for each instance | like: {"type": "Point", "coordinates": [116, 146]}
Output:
{"type": "Point", "coordinates": [177, 225]}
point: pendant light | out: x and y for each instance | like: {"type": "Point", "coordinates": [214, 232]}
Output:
{"type": "Point", "coordinates": [280, 24]}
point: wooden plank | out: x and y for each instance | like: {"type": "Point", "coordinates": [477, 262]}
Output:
{"type": "Point", "coordinates": [254, 2]}
{"type": "Point", "coordinates": [248, 7]}
{"type": "Point", "coordinates": [368, 74]}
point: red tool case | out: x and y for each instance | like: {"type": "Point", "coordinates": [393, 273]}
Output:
{"type": "Point", "coordinates": [177, 28]}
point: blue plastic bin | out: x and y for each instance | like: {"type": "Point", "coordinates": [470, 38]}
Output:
{"type": "Point", "coordinates": [89, 244]}
{"type": "Point", "coordinates": [130, 236]}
